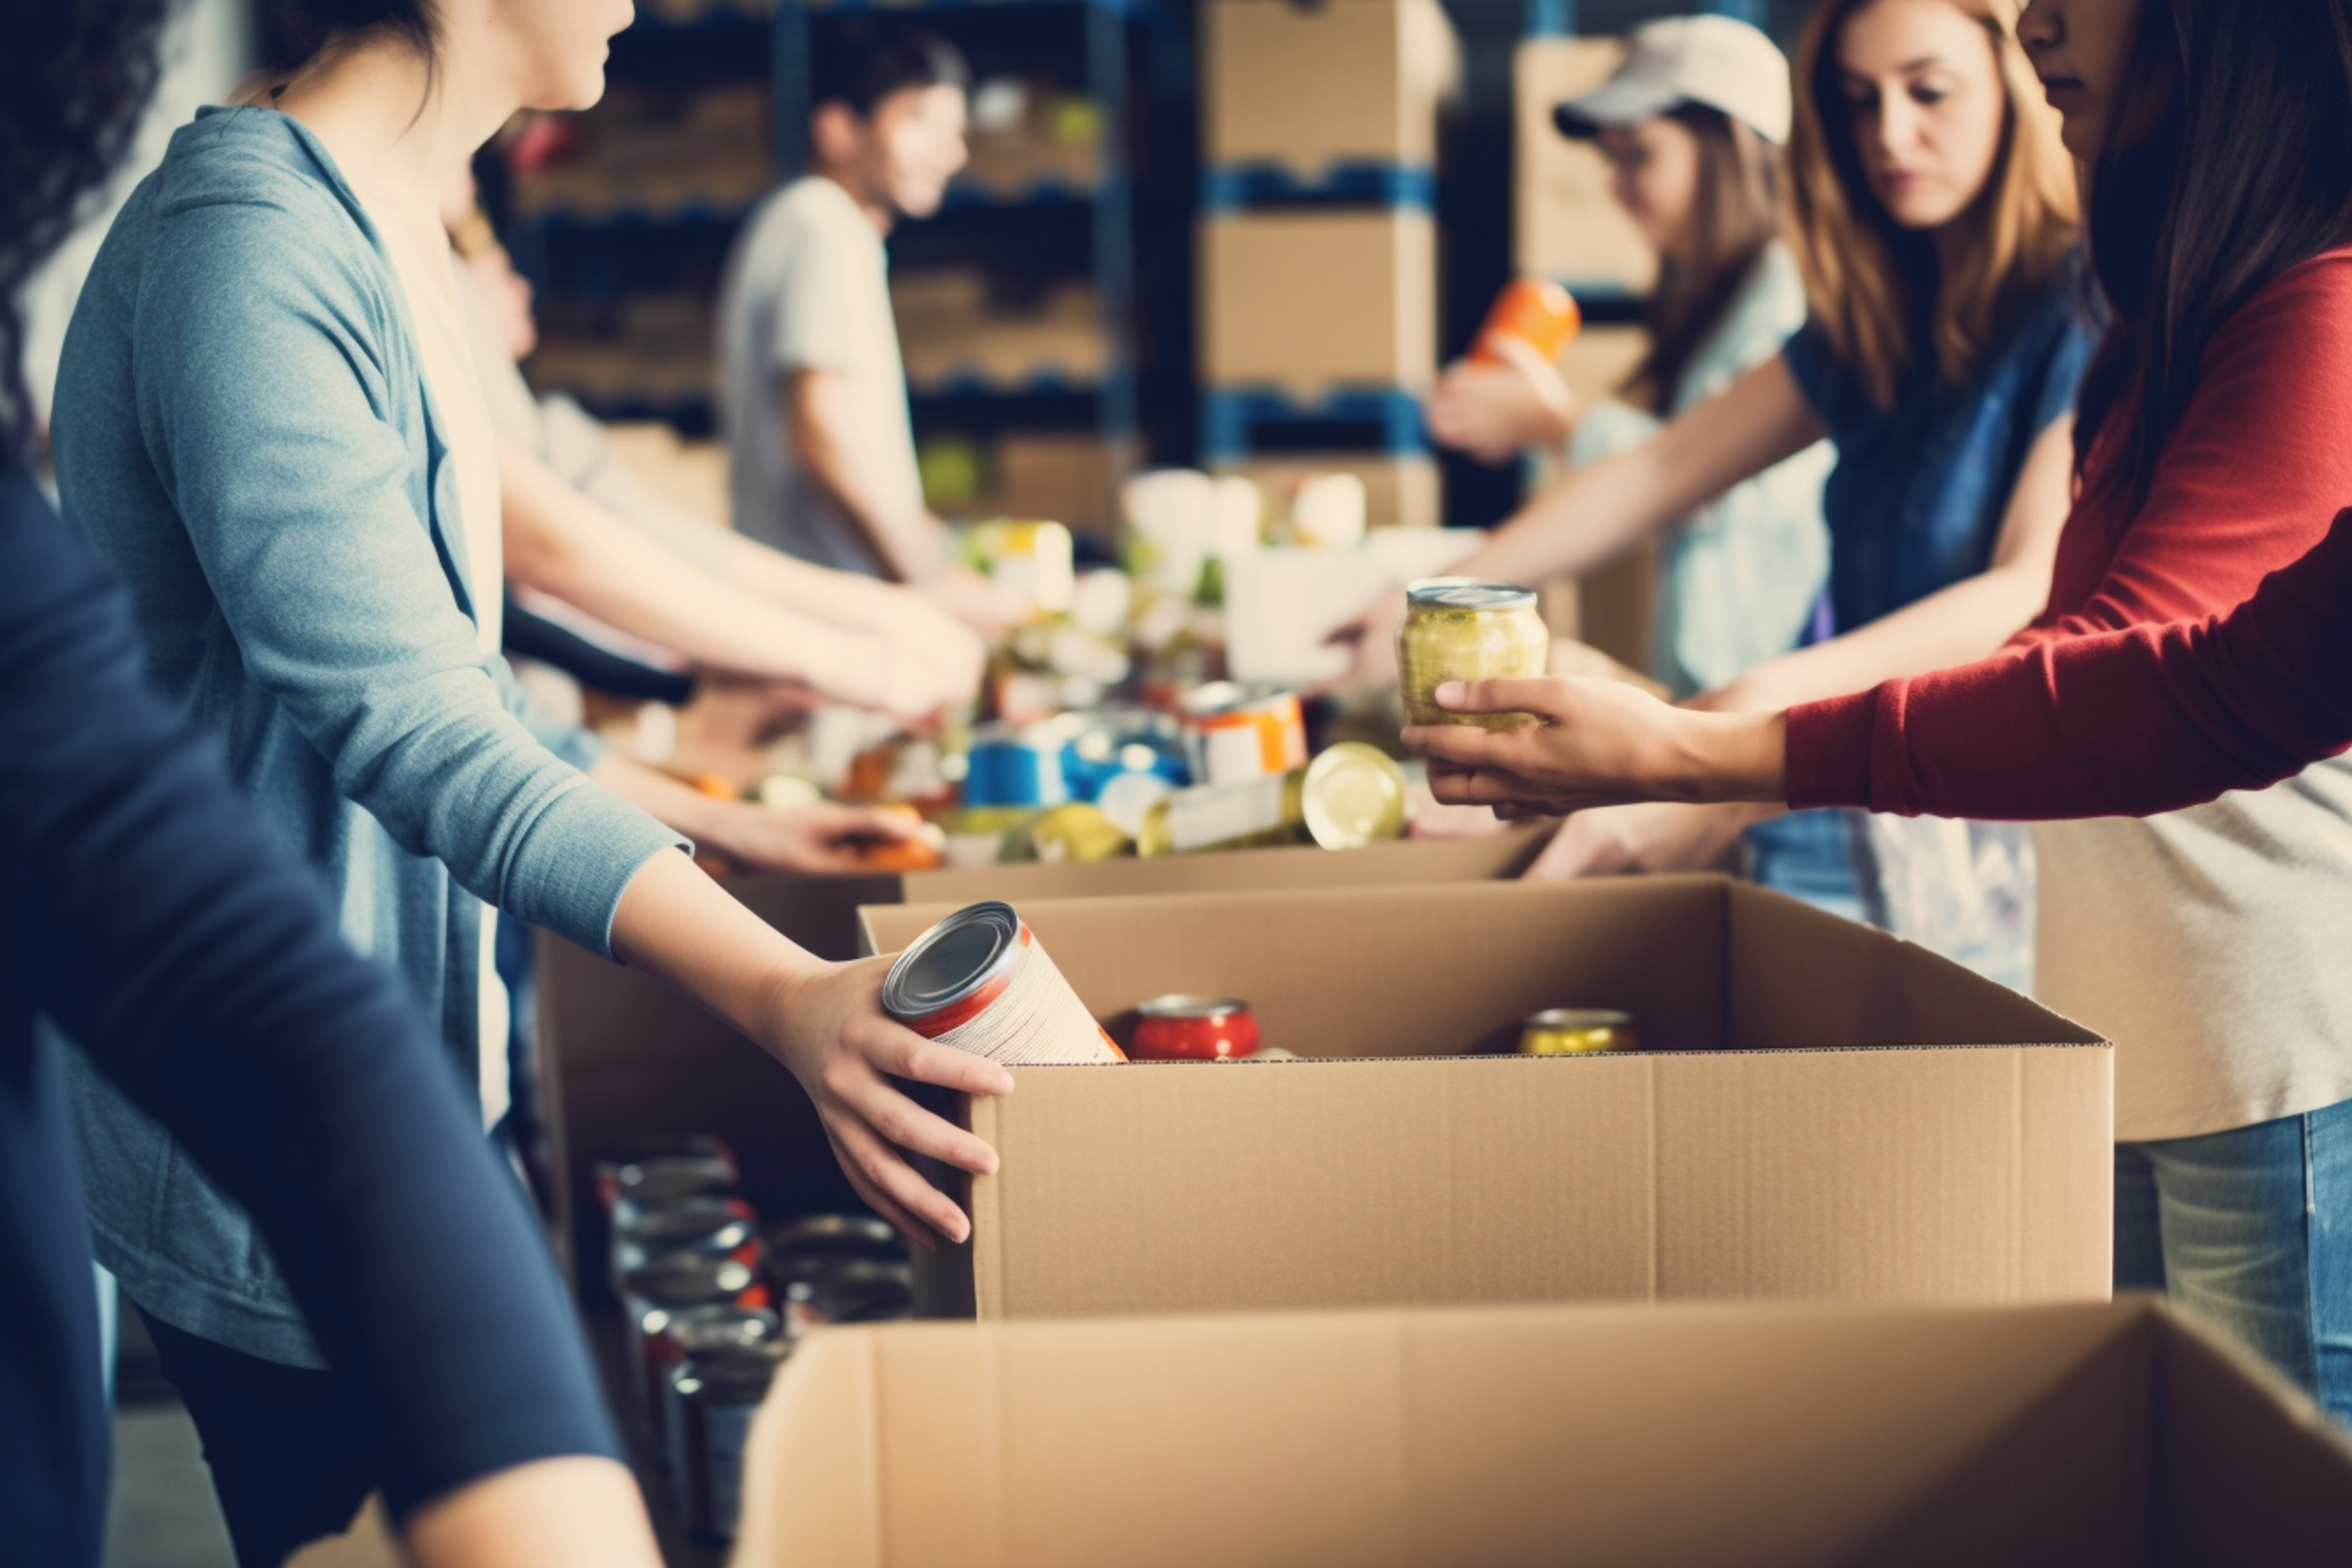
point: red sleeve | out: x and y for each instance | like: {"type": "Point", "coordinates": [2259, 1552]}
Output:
{"type": "Point", "coordinates": [2125, 723]}
{"type": "Point", "coordinates": [2249, 479]}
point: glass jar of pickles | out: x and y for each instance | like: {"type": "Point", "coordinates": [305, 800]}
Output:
{"type": "Point", "coordinates": [1456, 629]}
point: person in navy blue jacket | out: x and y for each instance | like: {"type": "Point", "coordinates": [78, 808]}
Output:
{"type": "Point", "coordinates": [145, 908]}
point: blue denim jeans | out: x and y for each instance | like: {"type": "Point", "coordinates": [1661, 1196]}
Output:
{"type": "Point", "coordinates": [2251, 1230]}
{"type": "Point", "coordinates": [1807, 855]}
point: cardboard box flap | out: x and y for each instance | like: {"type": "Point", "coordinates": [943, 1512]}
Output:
{"type": "Point", "coordinates": [1668, 1436]}
{"type": "Point", "coordinates": [1700, 961]}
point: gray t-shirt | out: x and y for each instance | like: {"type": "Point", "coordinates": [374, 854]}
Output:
{"type": "Point", "coordinates": [808, 289]}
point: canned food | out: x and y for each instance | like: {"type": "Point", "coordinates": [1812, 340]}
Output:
{"type": "Point", "coordinates": [652, 1296]}
{"type": "Point", "coordinates": [1033, 560]}
{"type": "Point", "coordinates": [698, 1331]}
{"type": "Point", "coordinates": [1574, 1031]}
{"type": "Point", "coordinates": [1127, 800]}
{"type": "Point", "coordinates": [711, 1400]}
{"type": "Point", "coordinates": [1194, 1029]}
{"type": "Point", "coordinates": [1231, 736]}
{"type": "Point", "coordinates": [848, 1290]}
{"type": "Point", "coordinates": [982, 982]}
{"type": "Point", "coordinates": [1015, 769]}
{"type": "Point", "coordinates": [836, 1235]}
{"type": "Point", "coordinates": [1351, 795]}
{"type": "Point", "coordinates": [1468, 631]}
{"type": "Point", "coordinates": [1536, 311]}
{"type": "Point", "coordinates": [664, 1170]}
{"type": "Point", "coordinates": [1078, 833]}
{"type": "Point", "coordinates": [700, 1227]}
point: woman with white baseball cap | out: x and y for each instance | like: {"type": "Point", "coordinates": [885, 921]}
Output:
{"type": "Point", "coordinates": [1934, 215]}
{"type": "Point", "coordinates": [1692, 125]}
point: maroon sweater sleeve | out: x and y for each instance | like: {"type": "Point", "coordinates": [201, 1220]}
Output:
{"type": "Point", "coordinates": [2127, 723]}
{"type": "Point", "coordinates": [2250, 479]}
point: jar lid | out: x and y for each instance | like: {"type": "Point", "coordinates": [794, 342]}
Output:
{"type": "Point", "coordinates": [1462, 593]}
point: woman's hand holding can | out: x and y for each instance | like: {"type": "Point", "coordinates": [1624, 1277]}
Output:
{"type": "Point", "coordinates": [828, 1027]}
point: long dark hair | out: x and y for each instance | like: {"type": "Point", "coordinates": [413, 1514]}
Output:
{"type": "Point", "coordinates": [304, 26]}
{"type": "Point", "coordinates": [1737, 212]}
{"type": "Point", "coordinates": [73, 78]}
{"type": "Point", "coordinates": [2249, 173]}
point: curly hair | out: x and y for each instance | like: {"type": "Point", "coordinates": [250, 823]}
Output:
{"type": "Point", "coordinates": [73, 80]}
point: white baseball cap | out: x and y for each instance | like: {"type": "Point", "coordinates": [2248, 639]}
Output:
{"type": "Point", "coordinates": [1717, 62]}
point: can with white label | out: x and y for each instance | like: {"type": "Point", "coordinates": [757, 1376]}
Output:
{"type": "Point", "coordinates": [982, 982]}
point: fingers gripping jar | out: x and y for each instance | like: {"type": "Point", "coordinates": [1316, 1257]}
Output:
{"type": "Point", "coordinates": [1459, 630]}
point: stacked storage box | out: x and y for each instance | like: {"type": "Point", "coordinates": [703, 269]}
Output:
{"type": "Point", "coordinates": [1318, 250]}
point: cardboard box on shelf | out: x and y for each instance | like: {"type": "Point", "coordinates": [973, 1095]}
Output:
{"type": "Point", "coordinates": [1308, 87]}
{"type": "Point", "coordinates": [1071, 478]}
{"type": "Point", "coordinates": [1311, 301]}
{"type": "Point", "coordinates": [1398, 493]}
{"type": "Point", "coordinates": [950, 330]}
{"type": "Point", "coordinates": [2108, 1436]}
{"type": "Point", "coordinates": [1824, 1111]}
{"type": "Point", "coordinates": [1565, 224]}
{"type": "Point", "coordinates": [624, 1056]}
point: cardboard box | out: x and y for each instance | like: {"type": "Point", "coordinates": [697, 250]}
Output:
{"type": "Point", "coordinates": [1069, 478]}
{"type": "Point", "coordinates": [1306, 87]}
{"type": "Point", "coordinates": [1824, 1111]}
{"type": "Point", "coordinates": [623, 1056]}
{"type": "Point", "coordinates": [1398, 493]}
{"type": "Point", "coordinates": [1565, 224]}
{"type": "Point", "coordinates": [2079, 1436]}
{"type": "Point", "coordinates": [1310, 301]}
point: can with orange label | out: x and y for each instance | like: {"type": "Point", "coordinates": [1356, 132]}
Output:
{"type": "Point", "coordinates": [1233, 735]}
{"type": "Point", "coordinates": [1536, 311]}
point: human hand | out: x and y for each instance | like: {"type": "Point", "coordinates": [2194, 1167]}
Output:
{"type": "Point", "coordinates": [813, 838]}
{"type": "Point", "coordinates": [986, 605]}
{"type": "Point", "coordinates": [1496, 412]}
{"type": "Point", "coordinates": [1653, 837]}
{"type": "Point", "coordinates": [828, 1027]}
{"type": "Point", "coordinates": [1594, 742]}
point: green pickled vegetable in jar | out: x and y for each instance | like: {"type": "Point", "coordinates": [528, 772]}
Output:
{"type": "Point", "coordinates": [1458, 630]}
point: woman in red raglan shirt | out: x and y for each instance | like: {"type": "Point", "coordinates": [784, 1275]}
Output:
{"type": "Point", "coordinates": [2216, 441]}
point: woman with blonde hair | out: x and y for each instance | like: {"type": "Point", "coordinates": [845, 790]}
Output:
{"type": "Point", "coordinates": [1934, 215]}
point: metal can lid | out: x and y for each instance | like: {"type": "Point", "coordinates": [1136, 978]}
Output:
{"type": "Point", "coordinates": [1578, 1018]}
{"type": "Point", "coordinates": [854, 1235]}
{"type": "Point", "coordinates": [685, 1280]}
{"type": "Point", "coordinates": [1459, 593]}
{"type": "Point", "coordinates": [1353, 794]}
{"type": "Point", "coordinates": [690, 1220]}
{"type": "Point", "coordinates": [1188, 1007]}
{"type": "Point", "coordinates": [674, 1176]}
{"type": "Point", "coordinates": [738, 1374]}
{"type": "Point", "coordinates": [948, 963]}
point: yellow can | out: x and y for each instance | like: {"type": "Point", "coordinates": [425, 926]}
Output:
{"type": "Point", "coordinates": [1077, 832]}
{"type": "Point", "coordinates": [1575, 1031]}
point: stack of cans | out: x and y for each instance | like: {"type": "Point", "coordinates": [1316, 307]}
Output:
{"type": "Point", "coordinates": [709, 1309]}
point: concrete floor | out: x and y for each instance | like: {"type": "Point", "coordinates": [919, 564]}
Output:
{"type": "Point", "coordinates": [163, 1513]}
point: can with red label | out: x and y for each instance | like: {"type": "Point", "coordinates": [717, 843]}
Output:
{"type": "Point", "coordinates": [701, 1227]}
{"type": "Point", "coordinates": [1233, 735]}
{"type": "Point", "coordinates": [711, 1400]}
{"type": "Point", "coordinates": [982, 982]}
{"type": "Point", "coordinates": [652, 1296]}
{"type": "Point", "coordinates": [1194, 1029]}
{"type": "Point", "coordinates": [692, 1332]}
{"type": "Point", "coordinates": [848, 1290]}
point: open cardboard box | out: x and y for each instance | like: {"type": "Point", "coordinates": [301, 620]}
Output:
{"type": "Point", "coordinates": [1826, 1113]}
{"type": "Point", "coordinates": [623, 1056]}
{"type": "Point", "coordinates": [2110, 1436]}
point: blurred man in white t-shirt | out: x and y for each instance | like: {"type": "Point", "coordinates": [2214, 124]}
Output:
{"type": "Point", "coordinates": [818, 425]}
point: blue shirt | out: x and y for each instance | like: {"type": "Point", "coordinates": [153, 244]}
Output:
{"type": "Point", "coordinates": [199, 967]}
{"type": "Point", "coordinates": [1917, 499]}
{"type": "Point", "coordinates": [245, 434]}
